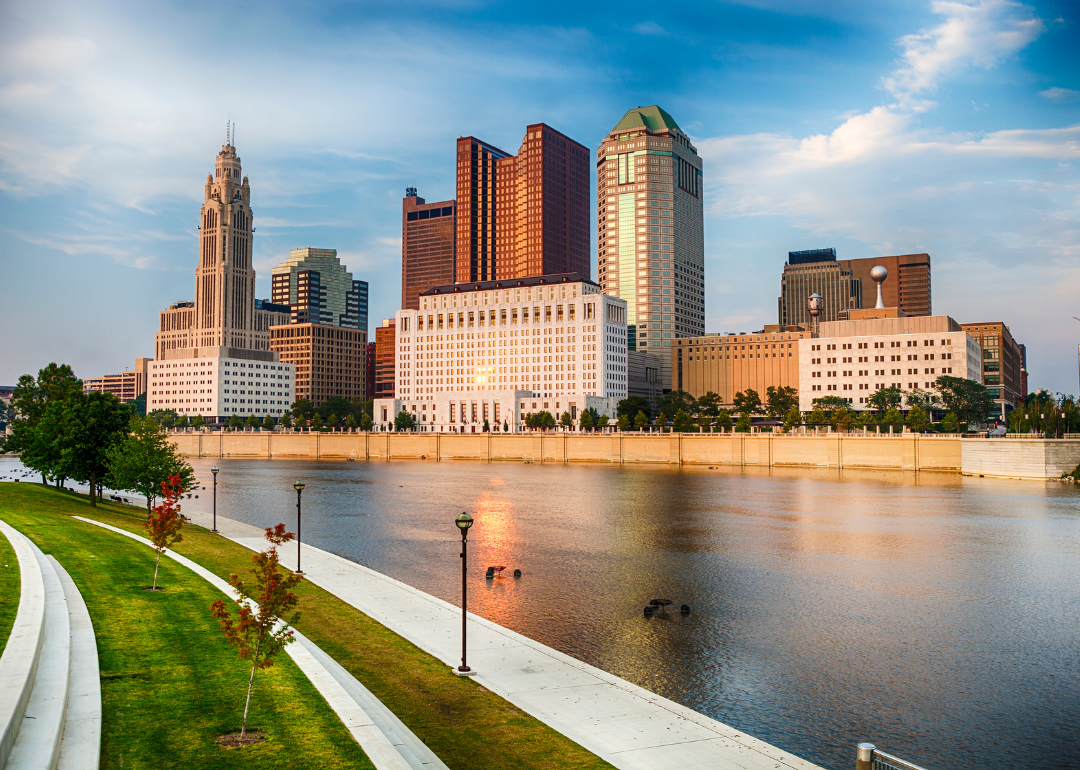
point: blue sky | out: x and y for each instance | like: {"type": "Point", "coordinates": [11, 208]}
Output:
{"type": "Point", "coordinates": [877, 128]}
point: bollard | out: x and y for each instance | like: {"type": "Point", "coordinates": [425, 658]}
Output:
{"type": "Point", "coordinates": [864, 756]}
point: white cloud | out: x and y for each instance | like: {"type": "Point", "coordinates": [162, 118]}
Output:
{"type": "Point", "coordinates": [650, 28]}
{"type": "Point", "coordinates": [1056, 94]}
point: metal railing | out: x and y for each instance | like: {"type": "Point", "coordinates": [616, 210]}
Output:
{"type": "Point", "coordinates": [869, 757]}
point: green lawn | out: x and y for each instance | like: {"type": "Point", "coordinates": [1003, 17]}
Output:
{"type": "Point", "coordinates": [9, 589]}
{"type": "Point", "coordinates": [467, 726]}
{"type": "Point", "coordinates": [170, 684]}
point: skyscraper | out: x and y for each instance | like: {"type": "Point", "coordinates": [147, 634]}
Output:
{"type": "Point", "coordinates": [542, 207]}
{"type": "Point", "coordinates": [650, 231]}
{"type": "Point", "coordinates": [318, 289]}
{"type": "Point", "coordinates": [428, 238]}
{"type": "Point", "coordinates": [476, 185]}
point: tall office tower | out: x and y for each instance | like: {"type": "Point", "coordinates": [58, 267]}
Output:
{"type": "Point", "coordinates": [476, 189]}
{"type": "Point", "coordinates": [223, 333]}
{"type": "Point", "coordinates": [542, 207]}
{"type": "Point", "coordinates": [650, 232]}
{"type": "Point", "coordinates": [318, 289]}
{"type": "Point", "coordinates": [845, 284]}
{"type": "Point", "coordinates": [428, 238]}
{"type": "Point", "coordinates": [385, 356]}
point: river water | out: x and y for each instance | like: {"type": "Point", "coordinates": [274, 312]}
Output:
{"type": "Point", "coordinates": [933, 615]}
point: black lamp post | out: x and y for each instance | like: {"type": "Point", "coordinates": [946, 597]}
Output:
{"type": "Point", "coordinates": [299, 487]}
{"type": "Point", "coordinates": [214, 470]}
{"type": "Point", "coordinates": [463, 522]}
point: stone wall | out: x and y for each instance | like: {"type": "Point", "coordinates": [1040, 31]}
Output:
{"type": "Point", "coordinates": [1020, 458]}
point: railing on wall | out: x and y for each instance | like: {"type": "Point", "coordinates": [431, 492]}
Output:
{"type": "Point", "coordinates": [869, 757]}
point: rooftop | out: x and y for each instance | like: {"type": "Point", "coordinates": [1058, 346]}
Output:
{"type": "Point", "coordinates": [536, 280]}
{"type": "Point", "coordinates": [652, 117]}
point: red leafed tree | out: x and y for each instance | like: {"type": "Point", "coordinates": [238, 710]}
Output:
{"type": "Point", "coordinates": [164, 522]}
{"type": "Point", "coordinates": [260, 630]}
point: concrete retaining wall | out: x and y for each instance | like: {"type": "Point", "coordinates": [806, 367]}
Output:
{"type": "Point", "coordinates": [1020, 458]}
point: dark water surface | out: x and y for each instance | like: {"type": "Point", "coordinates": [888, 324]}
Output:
{"type": "Point", "coordinates": [934, 615]}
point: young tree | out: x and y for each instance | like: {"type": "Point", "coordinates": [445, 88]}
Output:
{"type": "Point", "coordinates": [404, 421]}
{"type": "Point", "coordinates": [845, 420]}
{"type": "Point", "coordinates": [234, 421]}
{"type": "Point", "coordinates": [261, 627]}
{"type": "Point", "coordinates": [286, 421]}
{"type": "Point", "coordinates": [885, 399]}
{"type": "Point", "coordinates": [252, 421]}
{"type": "Point", "coordinates": [724, 419]}
{"type": "Point", "coordinates": [602, 421]}
{"type": "Point", "coordinates": [917, 420]}
{"type": "Point", "coordinates": [350, 422]}
{"type": "Point", "coordinates": [893, 417]}
{"type": "Point", "coordinates": [487, 425]}
{"type": "Point", "coordinates": [143, 459]}
{"type": "Point", "coordinates": [506, 426]}
{"type": "Point", "coordinates": [546, 420]}
{"type": "Point", "coordinates": [865, 418]}
{"type": "Point", "coordinates": [682, 422]}
{"type": "Point", "coordinates": [332, 421]}
{"type": "Point", "coordinates": [164, 522]}
{"type": "Point", "coordinates": [816, 417]}
{"type": "Point", "coordinates": [365, 421]}
{"type": "Point", "coordinates": [624, 423]}
{"type": "Point", "coordinates": [743, 424]}
{"type": "Point", "coordinates": [641, 421]}
{"type": "Point", "coordinates": [779, 400]}
{"type": "Point", "coordinates": [565, 420]}
{"type": "Point", "coordinates": [792, 418]}
{"type": "Point", "coordinates": [198, 421]}
{"type": "Point", "coordinates": [747, 403]}
{"type": "Point", "coordinates": [268, 422]}
{"type": "Point", "coordinates": [950, 423]}
{"type": "Point", "coordinates": [317, 421]}
{"type": "Point", "coordinates": [588, 419]}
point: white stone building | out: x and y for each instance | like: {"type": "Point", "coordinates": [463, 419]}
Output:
{"type": "Point", "coordinates": [498, 350]}
{"type": "Point", "coordinates": [879, 349]}
{"type": "Point", "coordinates": [219, 387]}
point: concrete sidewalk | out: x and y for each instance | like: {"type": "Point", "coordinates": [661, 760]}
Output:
{"type": "Point", "coordinates": [626, 725]}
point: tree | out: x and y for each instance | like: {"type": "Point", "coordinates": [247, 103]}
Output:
{"type": "Point", "coordinates": [183, 421]}
{"type": "Point", "coordinates": [198, 421]}
{"type": "Point", "coordinates": [792, 418]}
{"type": "Point", "coordinates": [143, 460]}
{"type": "Point", "coordinates": [670, 403]}
{"type": "Point", "coordinates": [724, 419]}
{"type": "Point", "coordinates": [140, 404]}
{"type": "Point", "coordinates": [893, 417]}
{"type": "Point", "coordinates": [632, 405]}
{"type": "Point", "coordinates": [624, 423]}
{"type": "Point", "coordinates": [566, 420]}
{"type": "Point", "coordinates": [335, 405]}
{"type": "Point", "coordinates": [682, 422]}
{"type": "Point", "coordinates": [830, 404]}
{"type": "Point", "coordinates": [816, 417]}
{"type": "Point", "coordinates": [926, 400]}
{"type": "Point", "coordinates": [779, 400]}
{"type": "Point", "coordinates": [31, 399]}
{"type": "Point", "coordinates": [743, 423]}
{"type": "Point", "coordinates": [317, 421]}
{"type": "Point", "coordinates": [641, 421]}
{"type": "Point", "coordinates": [506, 426]}
{"type": "Point", "coordinates": [90, 425]}
{"type": "Point", "coordinates": [234, 421]}
{"type": "Point", "coordinates": [268, 423]}
{"type": "Point", "coordinates": [260, 629]}
{"type": "Point", "coordinates": [350, 422]}
{"type": "Point", "coordinates": [970, 400]}
{"type": "Point", "coordinates": [332, 421]}
{"type": "Point", "coordinates": [885, 399]}
{"type": "Point", "coordinates": [403, 421]}
{"type": "Point", "coordinates": [602, 421]}
{"type": "Point", "coordinates": [252, 421]}
{"type": "Point", "coordinates": [302, 408]}
{"type": "Point", "coordinates": [164, 522]}
{"type": "Point", "coordinates": [747, 403]}
{"type": "Point", "coordinates": [865, 418]}
{"type": "Point", "coordinates": [286, 421]}
{"type": "Point", "coordinates": [487, 425]}
{"type": "Point", "coordinates": [917, 420]}
{"type": "Point", "coordinates": [708, 408]}
{"type": "Point", "coordinates": [166, 418]}
{"type": "Point", "coordinates": [545, 420]}
{"type": "Point", "coordinates": [365, 421]}
{"type": "Point", "coordinates": [588, 418]}
{"type": "Point", "coordinates": [950, 423]}
{"type": "Point", "coordinates": [845, 420]}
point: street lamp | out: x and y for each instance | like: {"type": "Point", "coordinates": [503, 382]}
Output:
{"type": "Point", "coordinates": [214, 470]}
{"type": "Point", "coordinates": [463, 522]}
{"type": "Point", "coordinates": [299, 487]}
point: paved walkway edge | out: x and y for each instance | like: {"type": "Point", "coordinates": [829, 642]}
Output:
{"type": "Point", "coordinates": [378, 747]}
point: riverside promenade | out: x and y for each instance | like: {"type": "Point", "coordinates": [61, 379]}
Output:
{"type": "Point", "coordinates": [618, 721]}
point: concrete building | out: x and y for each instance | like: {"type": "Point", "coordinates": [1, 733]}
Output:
{"type": "Point", "coordinates": [650, 231]}
{"type": "Point", "coordinates": [385, 359]}
{"type": "Point", "coordinates": [318, 289]}
{"type": "Point", "coordinates": [203, 348]}
{"type": "Point", "coordinates": [328, 361]}
{"type": "Point", "coordinates": [727, 364]}
{"type": "Point", "coordinates": [474, 255]}
{"type": "Point", "coordinates": [126, 386]}
{"type": "Point", "coordinates": [1002, 363]}
{"type": "Point", "coordinates": [645, 374]}
{"type": "Point", "coordinates": [883, 348]}
{"type": "Point", "coordinates": [846, 285]}
{"type": "Point", "coordinates": [428, 239]}
{"type": "Point", "coordinates": [553, 341]}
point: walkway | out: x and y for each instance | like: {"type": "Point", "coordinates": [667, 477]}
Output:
{"type": "Point", "coordinates": [624, 724]}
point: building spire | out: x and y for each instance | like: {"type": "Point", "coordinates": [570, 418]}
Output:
{"type": "Point", "coordinates": [228, 132]}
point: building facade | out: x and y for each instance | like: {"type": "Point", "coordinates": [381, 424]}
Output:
{"type": "Point", "coordinates": [846, 285]}
{"type": "Point", "coordinates": [1002, 363]}
{"type": "Point", "coordinates": [542, 207]}
{"type": "Point", "coordinates": [318, 289]}
{"type": "Point", "coordinates": [882, 349]}
{"type": "Point", "coordinates": [553, 340]}
{"type": "Point", "coordinates": [328, 361]}
{"type": "Point", "coordinates": [126, 386]}
{"type": "Point", "coordinates": [726, 364]}
{"type": "Point", "coordinates": [385, 359]}
{"type": "Point", "coordinates": [370, 377]}
{"type": "Point", "coordinates": [650, 230]}
{"type": "Point", "coordinates": [474, 256]}
{"type": "Point", "coordinates": [428, 240]}
{"type": "Point", "coordinates": [203, 348]}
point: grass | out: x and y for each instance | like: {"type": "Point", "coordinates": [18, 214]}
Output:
{"type": "Point", "coordinates": [170, 684]}
{"type": "Point", "coordinates": [10, 585]}
{"type": "Point", "coordinates": [466, 725]}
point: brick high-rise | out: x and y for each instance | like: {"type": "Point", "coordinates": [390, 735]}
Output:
{"type": "Point", "coordinates": [427, 246]}
{"type": "Point", "coordinates": [476, 184]}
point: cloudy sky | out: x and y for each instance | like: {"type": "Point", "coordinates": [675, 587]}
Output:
{"type": "Point", "coordinates": [878, 128]}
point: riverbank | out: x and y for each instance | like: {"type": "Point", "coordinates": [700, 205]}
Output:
{"type": "Point", "coordinates": [1036, 459]}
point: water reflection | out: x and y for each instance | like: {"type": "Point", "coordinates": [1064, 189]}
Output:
{"type": "Point", "coordinates": [934, 615]}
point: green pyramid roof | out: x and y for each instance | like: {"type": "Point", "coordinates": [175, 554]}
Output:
{"type": "Point", "coordinates": [652, 117]}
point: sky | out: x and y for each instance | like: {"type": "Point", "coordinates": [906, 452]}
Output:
{"type": "Point", "coordinates": [945, 127]}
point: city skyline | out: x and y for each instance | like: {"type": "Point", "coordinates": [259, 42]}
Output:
{"type": "Point", "coordinates": [949, 129]}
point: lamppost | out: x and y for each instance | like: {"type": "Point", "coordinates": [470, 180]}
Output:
{"type": "Point", "coordinates": [463, 522]}
{"type": "Point", "coordinates": [299, 487]}
{"type": "Point", "coordinates": [214, 470]}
